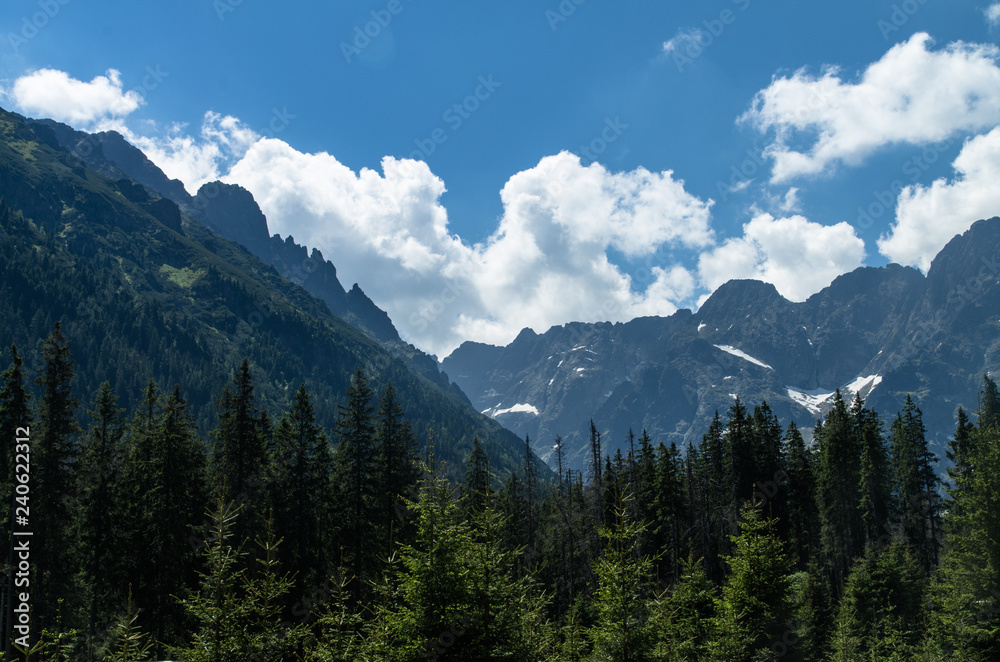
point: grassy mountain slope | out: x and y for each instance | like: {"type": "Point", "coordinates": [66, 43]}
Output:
{"type": "Point", "coordinates": [143, 291]}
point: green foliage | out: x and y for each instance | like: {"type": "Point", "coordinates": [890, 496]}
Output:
{"type": "Point", "coordinates": [837, 489]}
{"type": "Point", "coordinates": [355, 490]}
{"type": "Point", "coordinates": [131, 644]}
{"type": "Point", "coordinates": [622, 631]}
{"type": "Point", "coordinates": [680, 618]}
{"type": "Point", "coordinates": [882, 605]}
{"type": "Point", "coordinates": [238, 612]}
{"type": "Point", "coordinates": [752, 613]}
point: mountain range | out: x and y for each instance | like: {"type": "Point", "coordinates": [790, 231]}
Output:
{"type": "Point", "coordinates": [883, 333]}
{"type": "Point", "coordinates": [149, 283]}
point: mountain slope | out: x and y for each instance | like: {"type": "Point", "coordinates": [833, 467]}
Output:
{"type": "Point", "coordinates": [146, 292]}
{"type": "Point", "coordinates": [884, 332]}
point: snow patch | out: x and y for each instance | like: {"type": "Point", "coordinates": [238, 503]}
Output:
{"type": "Point", "coordinates": [701, 326]}
{"type": "Point", "coordinates": [812, 400]}
{"type": "Point", "coordinates": [859, 384]}
{"type": "Point", "coordinates": [519, 408]}
{"type": "Point", "coordinates": [580, 369]}
{"type": "Point", "coordinates": [729, 349]}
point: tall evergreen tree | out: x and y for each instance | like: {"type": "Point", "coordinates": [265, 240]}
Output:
{"type": "Point", "coordinates": [920, 503]}
{"type": "Point", "coordinates": [803, 511]}
{"type": "Point", "coordinates": [395, 468]}
{"type": "Point", "coordinates": [240, 453]}
{"type": "Point", "coordinates": [99, 529]}
{"type": "Point", "coordinates": [681, 617]}
{"type": "Point", "coordinates": [622, 631]}
{"type": "Point", "coordinates": [754, 607]}
{"type": "Point", "coordinates": [740, 452]}
{"type": "Point", "coordinates": [875, 479]}
{"type": "Point", "coordinates": [54, 450]}
{"type": "Point", "coordinates": [837, 490]}
{"type": "Point", "coordinates": [355, 490]}
{"type": "Point", "coordinates": [965, 593]}
{"type": "Point", "coordinates": [300, 498]}
{"type": "Point", "coordinates": [476, 488]}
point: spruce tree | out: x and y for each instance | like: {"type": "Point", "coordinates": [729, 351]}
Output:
{"type": "Point", "coordinates": [875, 479]}
{"type": "Point", "coordinates": [299, 484]}
{"type": "Point", "coordinates": [240, 453]}
{"type": "Point", "coordinates": [920, 504]}
{"type": "Point", "coordinates": [54, 450]}
{"type": "Point", "coordinates": [98, 526]}
{"type": "Point", "coordinates": [622, 630]}
{"type": "Point", "coordinates": [803, 511]}
{"type": "Point", "coordinates": [753, 611]}
{"type": "Point", "coordinates": [476, 487]}
{"type": "Point", "coordinates": [838, 478]}
{"type": "Point", "coordinates": [354, 488]}
{"type": "Point", "coordinates": [681, 617]}
{"type": "Point", "coordinates": [395, 468]}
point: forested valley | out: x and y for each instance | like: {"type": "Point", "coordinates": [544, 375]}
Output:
{"type": "Point", "coordinates": [271, 538]}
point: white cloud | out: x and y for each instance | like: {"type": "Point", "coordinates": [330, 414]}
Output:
{"type": "Point", "coordinates": [546, 263]}
{"type": "Point", "coordinates": [912, 95]}
{"type": "Point", "coordinates": [797, 256]}
{"type": "Point", "coordinates": [54, 94]}
{"type": "Point", "coordinates": [686, 40]}
{"type": "Point", "coordinates": [223, 140]}
{"type": "Point", "coordinates": [993, 14]}
{"type": "Point", "coordinates": [927, 217]}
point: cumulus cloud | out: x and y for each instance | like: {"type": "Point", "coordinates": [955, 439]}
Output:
{"type": "Point", "coordinates": [927, 217]}
{"type": "Point", "coordinates": [799, 257]}
{"type": "Point", "coordinates": [222, 141]}
{"type": "Point", "coordinates": [546, 263]}
{"type": "Point", "coordinates": [912, 95]}
{"type": "Point", "coordinates": [993, 14]}
{"type": "Point", "coordinates": [56, 95]}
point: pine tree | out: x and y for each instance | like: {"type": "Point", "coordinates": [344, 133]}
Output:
{"type": "Point", "coordinates": [875, 478]}
{"type": "Point", "coordinates": [354, 488]}
{"type": "Point", "coordinates": [838, 478]}
{"type": "Point", "coordinates": [476, 487]}
{"type": "Point", "coordinates": [240, 453]}
{"type": "Point", "coordinates": [803, 512]}
{"type": "Point", "coordinates": [742, 470]}
{"type": "Point", "coordinates": [920, 505]}
{"type": "Point", "coordinates": [299, 484]}
{"type": "Point", "coordinates": [752, 613]}
{"type": "Point", "coordinates": [54, 450]}
{"type": "Point", "coordinates": [681, 617]}
{"type": "Point", "coordinates": [965, 593]}
{"type": "Point", "coordinates": [163, 483]}
{"type": "Point", "coordinates": [622, 632]}
{"type": "Point", "coordinates": [395, 468]}
{"type": "Point", "coordinates": [238, 612]}
{"type": "Point", "coordinates": [883, 598]}
{"type": "Point", "coordinates": [670, 503]}
{"type": "Point", "coordinates": [98, 525]}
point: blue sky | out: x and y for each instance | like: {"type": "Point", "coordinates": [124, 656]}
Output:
{"type": "Point", "coordinates": [647, 151]}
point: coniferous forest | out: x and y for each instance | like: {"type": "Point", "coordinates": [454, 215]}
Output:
{"type": "Point", "coordinates": [272, 538]}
